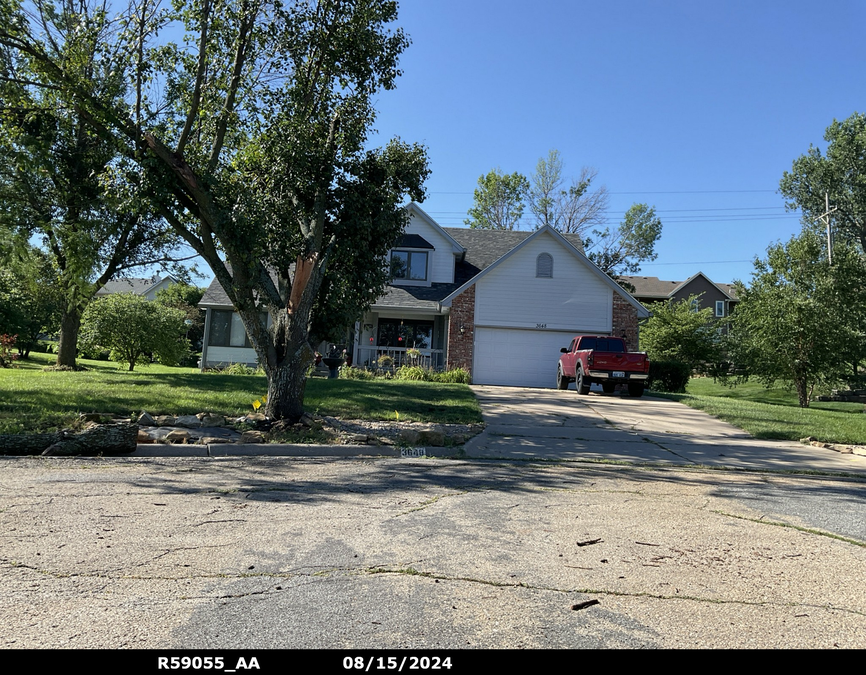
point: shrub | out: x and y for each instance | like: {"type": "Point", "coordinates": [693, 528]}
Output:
{"type": "Point", "coordinates": [239, 369]}
{"type": "Point", "coordinates": [672, 376]}
{"type": "Point", "coordinates": [133, 328]}
{"type": "Point", "coordinates": [416, 373]}
{"type": "Point", "coordinates": [455, 376]}
{"type": "Point", "coordinates": [6, 355]}
{"type": "Point", "coordinates": [353, 373]}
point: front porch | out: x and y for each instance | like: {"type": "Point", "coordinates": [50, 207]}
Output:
{"type": "Point", "coordinates": [372, 357]}
{"type": "Point", "coordinates": [391, 341]}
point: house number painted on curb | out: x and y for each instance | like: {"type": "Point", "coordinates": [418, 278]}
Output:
{"type": "Point", "coordinates": [413, 452]}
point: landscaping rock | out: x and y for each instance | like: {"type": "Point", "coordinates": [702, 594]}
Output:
{"type": "Point", "coordinates": [409, 437]}
{"type": "Point", "coordinates": [188, 421]}
{"type": "Point", "coordinates": [213, 421]}
{"type": "Point", "coordinates": [166, 420]}
{"type": "Point", "coordinates": [177, 436]}
{"type": "Point", "coordinates": [145, 420]}
{"type": "Point", "coordinates": [252, 437]}
{"type": "Point", "coordinates": [432, 437]}
{"type": "Point", "coordinates": [144, 437]}
{"type": "Point", "coordinates": [211, 440]}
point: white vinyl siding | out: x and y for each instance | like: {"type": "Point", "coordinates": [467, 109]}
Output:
{"type": "Point", "coordinates": [227, 355]}
{"type": "Point", "coordinates": [441, 264]}
{"type": "Point", "coordinates": [574, 300]}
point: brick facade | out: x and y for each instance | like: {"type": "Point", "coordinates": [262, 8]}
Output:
{"type": "Point", "coordinates": [461, 344]}
{"type": "Point", "coordinates": [625, 322]}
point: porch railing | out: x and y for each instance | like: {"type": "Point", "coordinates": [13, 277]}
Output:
{"type": "Point", "coordinates": [370, 357]}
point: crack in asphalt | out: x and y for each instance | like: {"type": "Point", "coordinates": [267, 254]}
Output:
{"type": "Point", "coordinates": [594, 591]}
{"type": "Point", "coordinates": [808, 530]}
{"type": "Point", "coordinates": [411, 571]}
{"type": "Point", "coordinates": [429, 502]}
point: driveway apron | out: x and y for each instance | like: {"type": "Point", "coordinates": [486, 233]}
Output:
{"type": "Point", "coordinates": [550, 424]}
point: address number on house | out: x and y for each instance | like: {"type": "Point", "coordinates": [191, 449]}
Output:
{"type": "Point", "coordinates": [541, 325]}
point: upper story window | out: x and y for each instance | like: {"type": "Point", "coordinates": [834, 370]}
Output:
{"type": "Point", "coordinates": [720, 307]}
{"type": "Point", "coordinates": [544, 266]}
{"type": "Point", "coordinates": [410, 265]}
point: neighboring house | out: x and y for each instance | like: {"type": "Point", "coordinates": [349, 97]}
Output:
{"type": "Point", "coordinates": [500, 304]}
{"type": "Point", "coordinates": [146, 287]}
{"type": "Point", "coordinates": [721, 298]}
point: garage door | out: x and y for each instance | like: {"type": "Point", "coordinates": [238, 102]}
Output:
{"type": "Point", "coordinates": [521, 358]}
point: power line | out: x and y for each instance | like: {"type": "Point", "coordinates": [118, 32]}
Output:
{"type": "Point", "coordinates": [644, 192]}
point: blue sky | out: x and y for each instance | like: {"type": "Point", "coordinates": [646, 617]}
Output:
{"type": "Point", "coordinates": [692, 107]}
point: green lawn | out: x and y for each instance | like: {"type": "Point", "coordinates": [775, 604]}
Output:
{"type": "Point", "coordinates": [774, 413]}
{"type": "Point", "coordinates": [35, 400]}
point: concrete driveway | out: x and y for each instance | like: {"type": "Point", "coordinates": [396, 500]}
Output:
{"type": "Point", "coordinates": [561, 425]}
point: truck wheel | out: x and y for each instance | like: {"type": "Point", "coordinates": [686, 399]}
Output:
{"type": "Point", "coordinates": [582, 384]}
{"type": "Point", "coordinates": [561, 380]}
{"type": "Point", "coordinates": [608, 387]}
{"type": "Point", "coordinates": [635, 389]}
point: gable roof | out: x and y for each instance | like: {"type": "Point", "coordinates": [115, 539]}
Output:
{"type": "Point", "coordinates": [653, 287]}
{"type": "Point", "coordinates": [136, 286]}
{"type": "Point", "coordinates": [567, 244]}
{"type": "Point", "coordinates": [481, 249]}
{"type": "Point", "coordinates": [413, 208]}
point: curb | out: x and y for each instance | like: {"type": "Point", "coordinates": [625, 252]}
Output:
{"type": "Point", "coordinates": [284, 450]}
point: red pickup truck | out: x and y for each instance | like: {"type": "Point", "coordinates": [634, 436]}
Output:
{"type": "Point", "coordinates": [603, 359]}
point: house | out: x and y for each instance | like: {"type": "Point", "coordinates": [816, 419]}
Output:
{"type": "Point", "coordinates": [500, 304]}
{"type": "Point", "coordinates": [146, 287]}
{"type": "Point", "coordinates": [721, 298]}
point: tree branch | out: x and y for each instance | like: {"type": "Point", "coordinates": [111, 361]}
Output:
{"type": "Point", "coordinates": [247, 23]}
{"type": "Point", "coordinates": [199, 77]}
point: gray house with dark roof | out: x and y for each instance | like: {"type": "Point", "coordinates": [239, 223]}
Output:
{"type": "Point", "coordinates": [721, 298]}
{"type": "Point", "coordinates": [500, 304]}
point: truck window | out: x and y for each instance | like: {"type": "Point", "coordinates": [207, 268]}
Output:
{"type": "Point", "coordinates": [614, 345]}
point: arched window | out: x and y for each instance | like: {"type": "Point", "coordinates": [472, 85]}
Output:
{"type": "Point", "coordinates": [544, 266]}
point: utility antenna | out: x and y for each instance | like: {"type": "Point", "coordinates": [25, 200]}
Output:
{"type": "Point", "coordinates": [825, 218]}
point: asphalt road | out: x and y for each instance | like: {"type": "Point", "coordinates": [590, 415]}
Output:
{"type": "Point", "coordinates": [291, 553]}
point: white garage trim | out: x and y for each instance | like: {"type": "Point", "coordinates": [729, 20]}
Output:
{"type": "Point", "coordinates": [518, 357]}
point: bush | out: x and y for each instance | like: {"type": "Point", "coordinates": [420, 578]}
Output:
{"type": "Point", "coordinates": [353, 373]}
{"type": "Point", "coordinates": [455, 376]}
{"type": "Point", "coordinates": [238, 369]}
{"type": "Point", "coordinates": [672, 376]}
{"type": "Point", "coordinates": [417, 373]}
{"type": "Point", "coordinates": [133, 328]}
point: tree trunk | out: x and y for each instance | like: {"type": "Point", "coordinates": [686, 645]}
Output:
{"type": "Point", "coordinates": [286, 387]}
{"type": "Point", "coordinates": [70, 323]}
{"type": "Point", "coordinates": [802, 392]}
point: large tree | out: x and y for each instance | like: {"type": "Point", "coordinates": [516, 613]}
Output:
{"type": "Point", "coordinates": [62, 182]}
{"type": "Point", "coordinates": [498, 201]}
{"type": "Point", "coordinates": [621, 250]}
{"type": "Point", "coordinates": [839, 174]}
{"type": "Point", "coordinates": [801, 320]}
{"type": "Point", "coordinates": [573, 209]}
{"type": "Point", "coordinates": [251, 138]}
